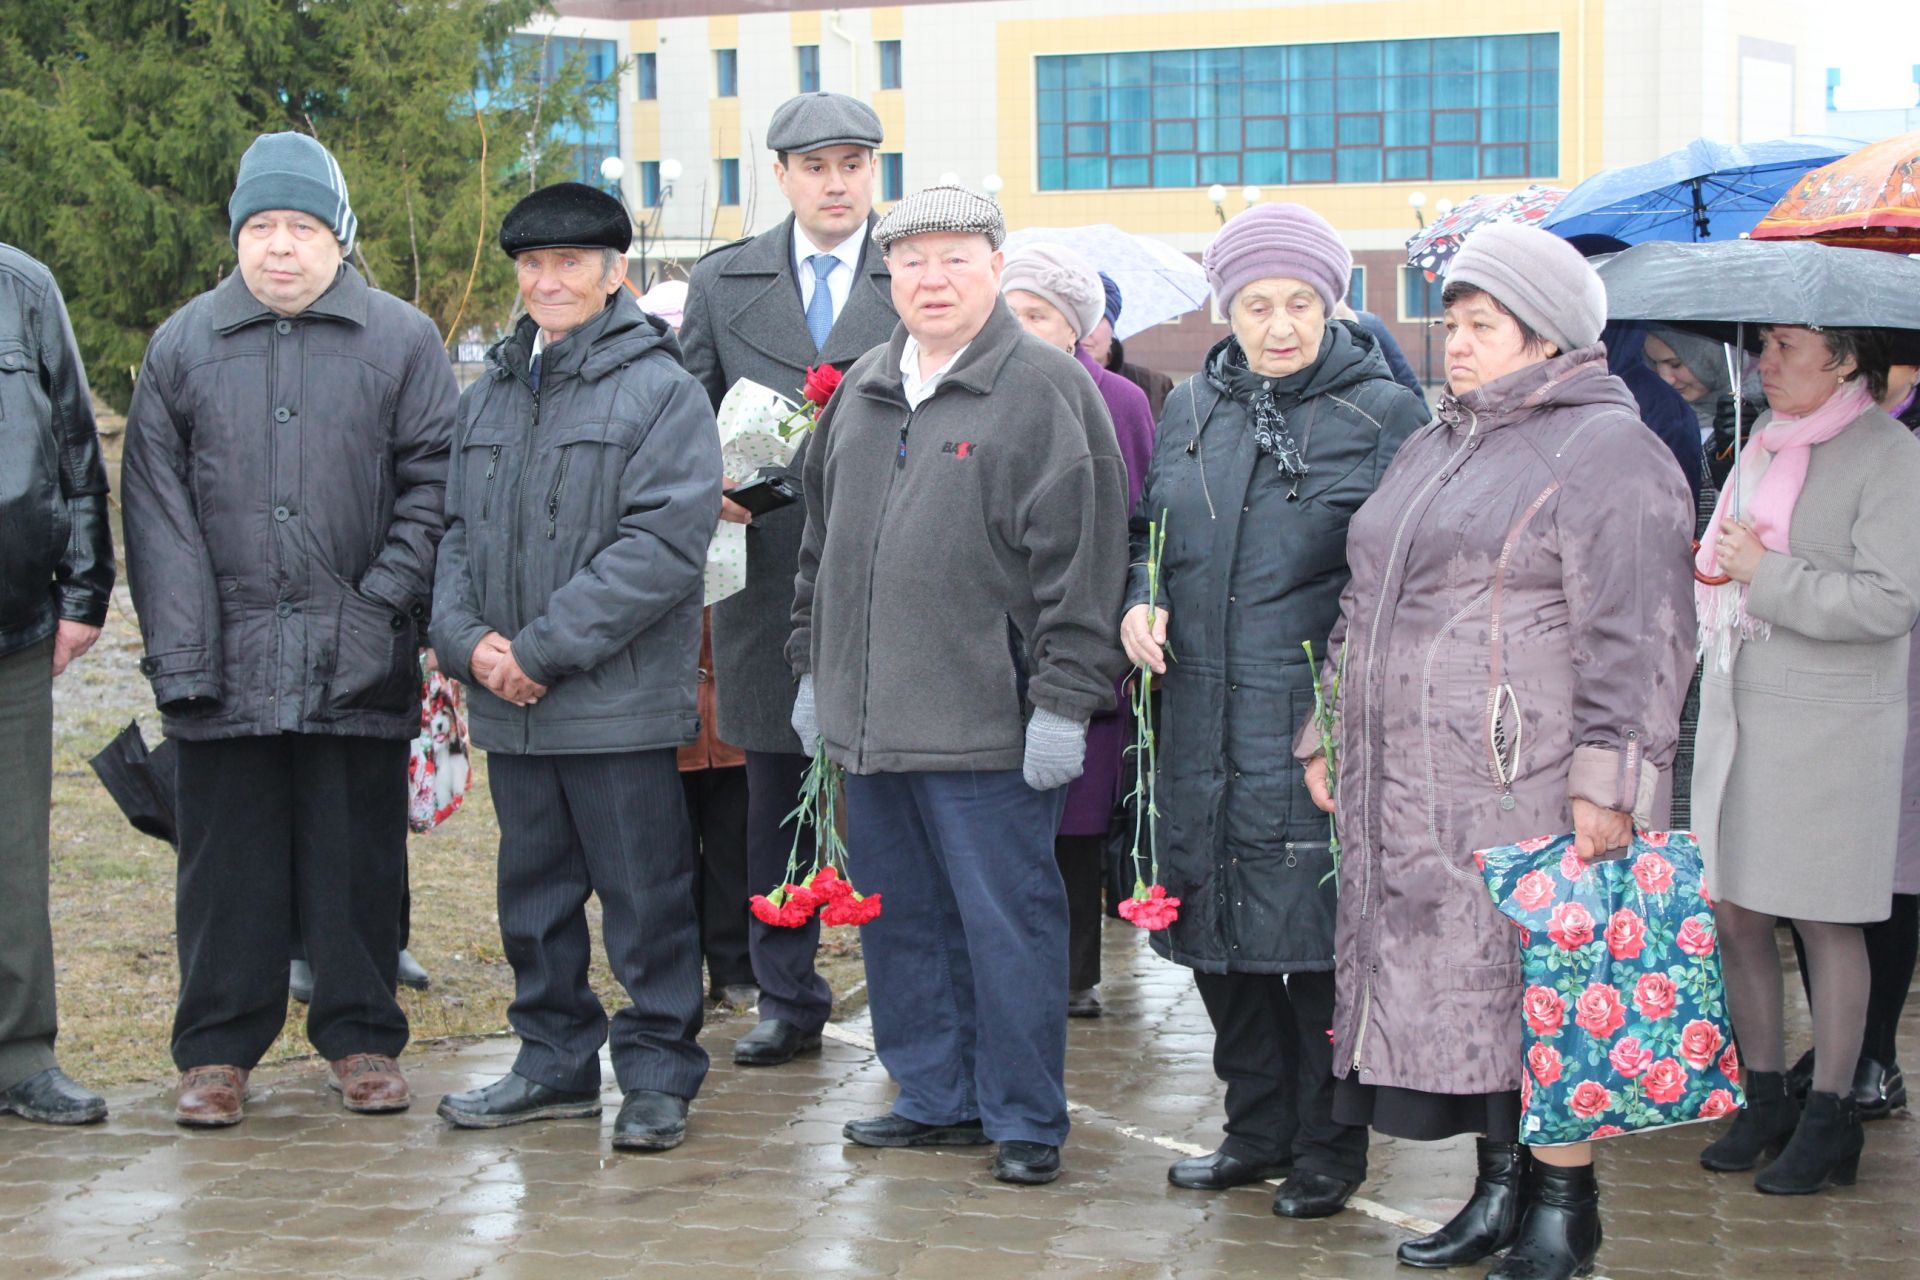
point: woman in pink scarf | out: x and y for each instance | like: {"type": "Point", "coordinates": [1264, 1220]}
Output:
{"type": "Point", "coordinates": [1803, 721]}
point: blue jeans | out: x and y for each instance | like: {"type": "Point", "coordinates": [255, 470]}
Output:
{"type": "Point", "coordinates": [967, 962]}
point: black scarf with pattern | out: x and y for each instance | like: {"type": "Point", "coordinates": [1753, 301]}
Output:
{"type": "Point", "coordinates": [1229, 374]}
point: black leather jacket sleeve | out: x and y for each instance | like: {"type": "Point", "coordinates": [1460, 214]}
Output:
{"type": "Point", "coordinates": [83, 578]}
{"type": "Point", "coordinates": [401, 576]}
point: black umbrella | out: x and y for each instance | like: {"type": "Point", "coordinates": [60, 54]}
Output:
{"type": "Point", "coordinates": [141, 782]}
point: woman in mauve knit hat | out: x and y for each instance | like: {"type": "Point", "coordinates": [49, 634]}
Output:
{"type": "Point", "coordinates": [1258, 463]}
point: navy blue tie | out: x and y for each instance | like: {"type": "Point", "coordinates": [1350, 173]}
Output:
{"type": "Point", "coordinates": [820, 306]}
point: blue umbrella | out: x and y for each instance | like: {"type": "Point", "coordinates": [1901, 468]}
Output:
{"type": "Point", "coordinates": [1704, 191]}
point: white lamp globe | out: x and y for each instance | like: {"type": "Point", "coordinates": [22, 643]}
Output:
{"type": "Point", "coordinates": [1216, 193]}
{"type": "Point", "coordinates": [992, 184]}
{"type": "Point", "coordinates": [613, 168]}
{"type": "Point", "coordinates": [1418, 199]}
{"type": "Point", "coordinates": [670, 171]}
{"type": "Point", "coordinates": [1250, 194]}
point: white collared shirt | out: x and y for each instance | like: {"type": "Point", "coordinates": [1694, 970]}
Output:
{"type": "Point", "coordinates": [916, 387]}
{"type": "Point", "coordinates": [846, 264]}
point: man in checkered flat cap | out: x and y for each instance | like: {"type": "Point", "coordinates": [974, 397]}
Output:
{"type": "Point", "coordinates": [954, 621]}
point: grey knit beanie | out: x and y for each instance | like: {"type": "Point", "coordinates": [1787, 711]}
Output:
{"type": "Point", "coordinates": [1061, 276]}
{"type": "Point", "coordinates": [1287, 240]}
{"type": "Point", "coordinates": [1537, 276]}
{"type": "Point", "coordinates": [292, 171]}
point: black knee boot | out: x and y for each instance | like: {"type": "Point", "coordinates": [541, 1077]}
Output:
{"type": "Point", "coordinates": [1559, 1229]}
{"type": "Point", "coordinates": [1761, 1129]}
{"type": "Point", "coordinates": [1825, 1149]}
{"type": "Point", "coordinates": [1490, 1219]}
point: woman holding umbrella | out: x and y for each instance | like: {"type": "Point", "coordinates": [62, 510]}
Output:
{"type": "Point", "coordinates": [1516, 640]}
{"type": "Point", "coordinates": [1803, 724]}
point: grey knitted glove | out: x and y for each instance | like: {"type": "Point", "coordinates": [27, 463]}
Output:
{"type": "Point", "coordinates": [804, 722]}
{"type": "Point", "coordinates": [1056, 750]}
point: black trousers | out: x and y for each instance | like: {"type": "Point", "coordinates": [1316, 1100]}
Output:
{"type": "Point", "coordinates": [717, 815]}
{"type": "Point", "coordinates": [790, 988]}
{"type": "Point", "coordinates": [1271, 1049]}
{"type": "Point", "coordinates": [1083, 868]}
{"type": "Point", "coordinates": [612, 825]}
{"type": "Point", "coordinates": [27, 1024]}
{"type": "Point", "coordinates": [1892, 945]}
{"type": "Point", "coordinates": [298, 946]}
{"type": "Point", "coordinates": [268, 826]}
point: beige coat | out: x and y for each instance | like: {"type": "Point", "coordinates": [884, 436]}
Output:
{"type": "Point", "coordinates": [1797, 771]}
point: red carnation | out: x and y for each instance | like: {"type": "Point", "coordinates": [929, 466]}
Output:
{"type": "Point", "coordinates": [853, 908]}
{"type": "Point", "coordinates": [827, 886]}
{"type": "Point", "coordinates": [1152, 910]}
{"type": "Point", "coordinates": [819, 386]}
{"type": "Point", "coordinates": [788, 907]}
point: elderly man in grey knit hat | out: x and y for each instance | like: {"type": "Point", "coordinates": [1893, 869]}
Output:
{"type": "Point", "coordinates": [286, 460]}
{"type": "Point", "coordinates": [953, 616]}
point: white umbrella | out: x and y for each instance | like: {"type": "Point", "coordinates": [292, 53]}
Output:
{"type": "Point", "coordinates": [1157, 282]}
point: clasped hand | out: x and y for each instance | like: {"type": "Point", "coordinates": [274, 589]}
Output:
{"type": "Point", "coordinates": [495, 667]}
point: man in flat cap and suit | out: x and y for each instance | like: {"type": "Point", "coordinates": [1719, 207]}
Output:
{"type": "Point", "coordinates": [811, 291]}
{"type": "Point", "coordinates": [954, 631]}
{"type": "Point", "coordinates": [286, 461]}
{"type": "Point", "coordinates": [584, 488]}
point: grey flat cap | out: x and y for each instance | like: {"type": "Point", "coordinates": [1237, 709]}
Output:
{"type": "Point", "coordinates": [942, 208]}
{"type": "Point", "coordinates": [813, 121]}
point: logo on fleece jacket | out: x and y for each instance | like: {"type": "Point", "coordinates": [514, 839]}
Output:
{"type": "Point", "coordinates": [958, 448]}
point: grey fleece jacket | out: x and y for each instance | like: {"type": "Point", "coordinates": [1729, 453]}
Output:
{"type": "Point", "coordinates": [962, 560]}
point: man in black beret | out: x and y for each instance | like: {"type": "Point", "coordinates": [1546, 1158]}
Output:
{"type": "Point", "coordinates": [811, 291]}
{"type": "Point", "coordinates": [584, 488]}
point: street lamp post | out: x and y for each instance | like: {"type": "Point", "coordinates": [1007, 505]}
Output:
{"type": "Point", "coordinates": [647, 226]}
{"type": "Point", "coordinates": [1217, 196]}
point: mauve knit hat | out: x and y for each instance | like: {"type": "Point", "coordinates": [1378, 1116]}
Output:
{"type": "Point", "coordinates": [1537, 276]}
{"type": "Point", "coordinates": [1062, 277]}
{"type": "Point", "coordinates": [1271, 240]}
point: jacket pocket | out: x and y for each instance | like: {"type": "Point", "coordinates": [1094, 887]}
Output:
{"type": "Point", "coordinates": [372, 659]}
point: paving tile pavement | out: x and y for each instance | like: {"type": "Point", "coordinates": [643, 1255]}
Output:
{"type": "Point", "coordinates": [764, 1185]}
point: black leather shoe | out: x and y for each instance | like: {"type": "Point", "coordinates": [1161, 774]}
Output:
{"type": "Point", "coordinates": [1218, 1171]}
{"type": "Point", "coordinates": [898, 1131]}
{"type": "Point", "coordinates": [650, 1121]}
{"type": "Point", "coordinates": [772, 1043]}
{"type": "Point", "coordinates": [1028, 1163]}
{"type": "Point", "coordinates": [514, 1099]}
{"type": "Point", "coordinates": [300, 981]}
{"type": "Point", "coordinates": [1490, 1220]}
{"type": "Point", "coordinates": [48, 1097]}
{"type": "Point", "coordinates": [1878, 1091]}
{"type": "Point", "coordinates": [1312, 1195]}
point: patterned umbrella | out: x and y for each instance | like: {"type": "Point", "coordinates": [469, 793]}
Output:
{"type": "Point", "coordinates": [1868, 200]}
{"type": "Point", "coordinates": [1433, 248]}
{"type": "Point", "coordinates": [1157, 282]}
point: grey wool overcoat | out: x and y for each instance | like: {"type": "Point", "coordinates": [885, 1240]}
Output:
{"type": "Point", "coordinates": [1797, 768]}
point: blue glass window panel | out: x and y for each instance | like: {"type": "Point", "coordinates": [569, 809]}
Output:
{"type": "Point", "coordinates": [1053, 175]}
{"type": "Point", "coordinates": [726, 73]}
{"type": "Point", "coordinates": [1454, 126]}
{"type": "Point", "coordinates": [729, 182]}
{"type": "Point", "coordinates": [1130, 104]}
{"type": "Point", "coordinates": [1455, 163]}
{"type": "Point", "coordinates": [1266, 133]}
{"type": "Point", "coordinates": [1175, 101]}
{"type": "Point", "coordinates": [1406, 165]}
{"type": "Point", "coordinates": [650, 183]}
{"type": "Point", "coordinates": [646, 68]}
{"type": "Point", "coordinates": [1173, 171]}
{"type": "Point", "coordinates": [1506, 125]}
{"type": "Point", "coordinates": [1311, 132]}
{"type": "Point", "coordinates": [1357, 288]}
{"type": "Point", "coordinates": [1086, 104]}
{"type": "Point", "coordinates": [1504, 89]}
{"type": "Point", "coordinates": [1053, 107]}
{"type": "Point", "coordinates": [1503, 162]}
{"type": "Point", "coordinates": [1130, 173]}
{"type": "Point", "coordinates": [1409, 93]}
{"type": "Point", "coordinates": [1052, 73]}
{"type": "Point", "coordinates": [1409, 57]}
{"type": "Point", "coordinates": [1543, 125]}
{"type": "Point", "coordinates": [1312, 166]}
{"type": "Point", "coordinates": [893, 173]}
{"type": "Point", "coordinates": [1304, 96]}
{"type": "Point", "coordinates": [1174, 136]}
{"type": "Point", "coordinates": [1129, 70]}
{"type": "Point", "coordinates": [1214, 169]}
{"type": "Point", "coordinates": [1456, 55]}
{"type": "Point", "coordinates": [1309, 61]}
{"type": "Point", "coordinates": [1361, 58]}
{"type": "Point", "coordinates": [1543, 159]}
{"type": "Point", "coordinates": [1173, 68]}
{"type": "Point", "coordinates": [1358, 164]}
{"type": "Point", "coordinates": [1053, 141]}
{"type": "Point", "coordinates": [1545, 88]}
{"type": "Point", "coordinates": [1265, 168]}
{"type": "Point", "coordinates": [1088, 71]}
{"type": "Point", "coordinates": [1264, 97]}
{"type": "Point", "coordinates": [1545, 51]}
{"type": "Point", "coordinates": [1130, 138]}
{"type": "Point", "coordinates": [1409, 129]}
{"type": "Point", "coordinates": [1219, 135]}
{"type": "Point", "coordinates": [1456, 91]}
{"type": "Point", "coordinates": [1219, 100]}
{"type": "Point", "coordinates": [1086, 173]}
{"type": "Point", "coordinates": [1503, 53]}
{"type": "Point", "coordinates": [1086, 139]}
{"type": "Point", "coordinates": [1217, 64]}
{"type": "Point", "coordinates": [1419, 296]}
{"type": "Point", "coordinates": [889, 64]}
{"type": "Point", "coordinates": [1360, 95]}
{"type": "Point", "coordinates": [1266, 63]}
{"type": "Point", "coordinates": [1359, 131]}
{"type": "Point", "coordinates": [809, 64]}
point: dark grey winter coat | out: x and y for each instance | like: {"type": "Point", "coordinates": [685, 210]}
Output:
{"type": "Point", "coordinates": [283, 481]}
{"type": "Point", "coordinates": [577, 526]}
{"type": "Point", "coordinates": [744, 321]}
{"type": "Point", "coordinates": [1248, 576]}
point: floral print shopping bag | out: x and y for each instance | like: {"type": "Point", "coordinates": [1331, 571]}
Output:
{"type": "Point", "coordinates": [1625, 1018]}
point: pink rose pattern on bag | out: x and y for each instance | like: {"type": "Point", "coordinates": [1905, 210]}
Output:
{"type": "Point", "coordinates": [1624, 1018]}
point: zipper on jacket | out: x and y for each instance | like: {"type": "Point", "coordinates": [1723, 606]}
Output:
{"type": "Point", "coordinates": [873, 560]}
{"type": "Point", "coordinates": [553, 496]}
{"type": "Point", "coordinates": [1366, 1008]}
{"type": "Point", "coordinates": [486, 502]}
{"type": "Point", "coordinates": [519, 559]}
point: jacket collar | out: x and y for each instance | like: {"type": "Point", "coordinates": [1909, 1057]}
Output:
{"type": "Point", "coordinates": [977, 368]}
{"type": "Point", "coordinates": [769, 318]}
{"type": "Point", "coordinates": [618, 335]}
{"type": "Point", "coordinates": [1572, 379]}
{"type": "Point", "coordinates": [235, 307]}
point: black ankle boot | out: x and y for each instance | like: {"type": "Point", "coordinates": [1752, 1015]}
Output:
{"type": "Point", "coordinates": [1559, 1229]}
{"type": "Point", "coordinates": [1800, 1077]}
{"type": "Point", "coordinates": [1825, 1149]}
{"type": "Point", "coordinates": [1490, 1219]}
{"type": "Point", "coordinates": [1761, 1129]}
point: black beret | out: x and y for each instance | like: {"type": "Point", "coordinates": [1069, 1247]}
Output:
{"type": "Point", "coordinates": [570, 214]}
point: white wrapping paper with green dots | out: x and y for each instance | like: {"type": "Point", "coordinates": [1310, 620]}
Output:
{"type": "Point", "coordinates": [759, 428]}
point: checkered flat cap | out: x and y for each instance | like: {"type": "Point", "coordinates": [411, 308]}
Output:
{"type": "Point", "coordinates": [947, 208]}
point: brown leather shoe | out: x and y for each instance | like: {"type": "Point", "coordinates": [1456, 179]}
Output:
{"type": "Point", "coordinates": [210, 1097]}
{"type": "Point", "coordinates": [370, 1082]}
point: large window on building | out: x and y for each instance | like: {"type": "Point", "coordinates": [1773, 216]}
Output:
{"type": "Point", "coordinates": [726, 73]}
{"type": "Point", "coordinates": [650, 189]}
{"type": "Point", "coordinates": [599, 137]}
{"type": "Point", "coordinates": [889, 63]}
{"type": "Point", "coordinates": [893, 175]}
{"type": "Point", "coordinates": [808, 56]}
{"type": "Point", "coordinates": [646, 71]}
{"type": "Point", "coordinates": [1464, 108]}
{"type": "Point", "coordinates": [729, 182]}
